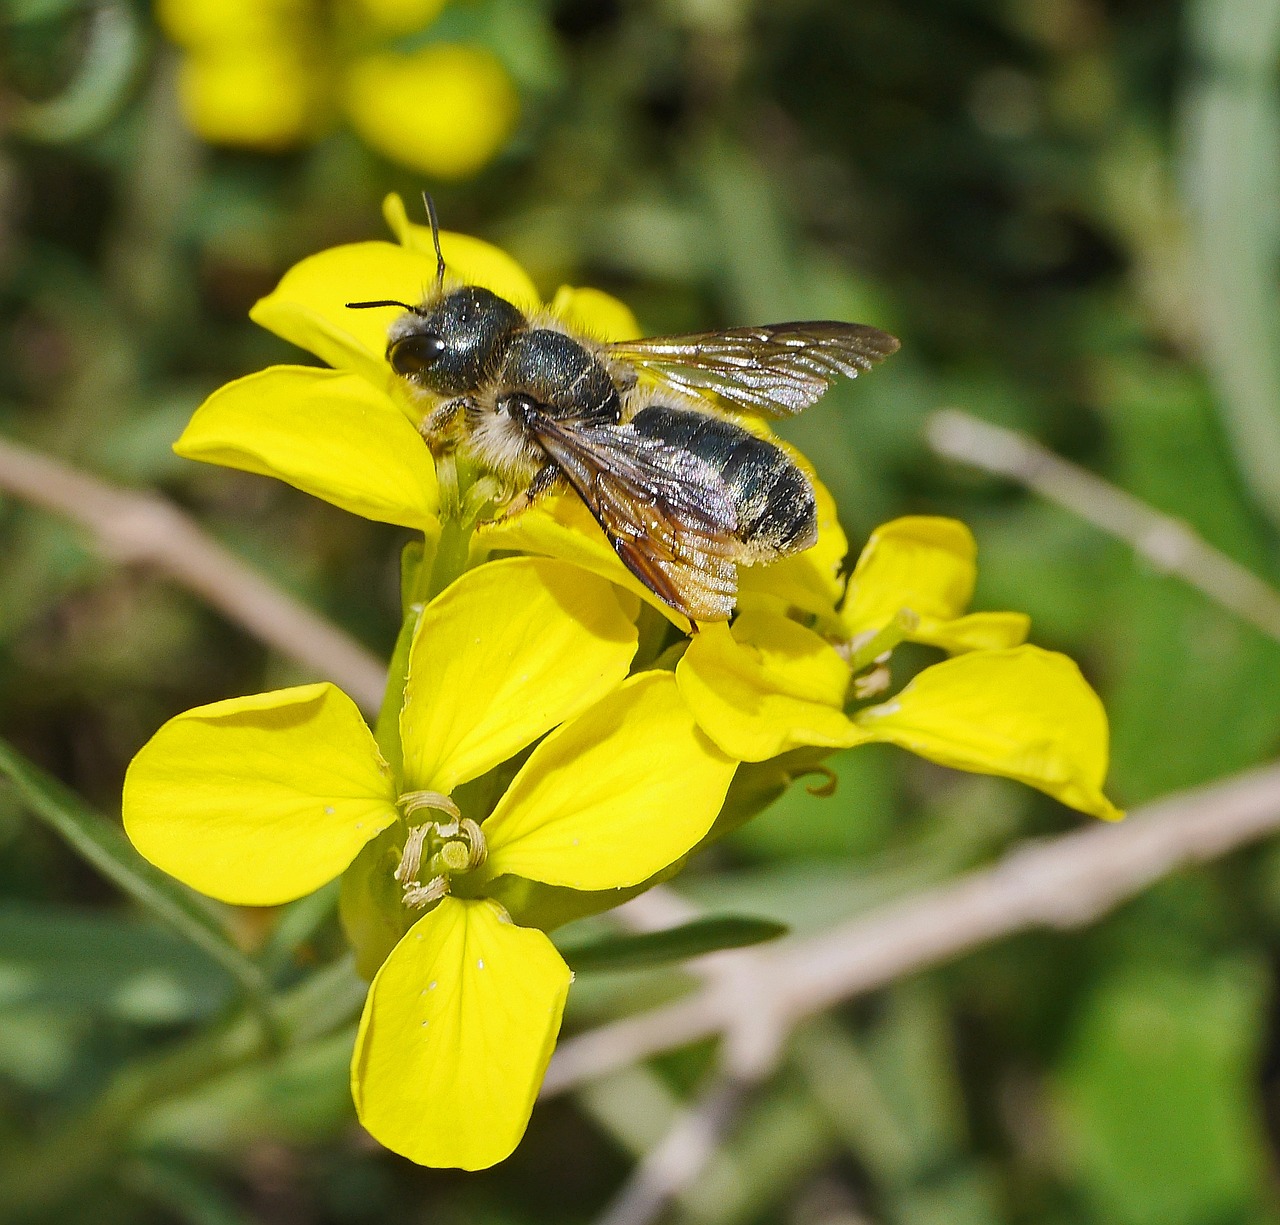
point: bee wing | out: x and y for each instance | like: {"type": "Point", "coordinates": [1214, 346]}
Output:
{"type": "Point", "coordinates": [775, 368]}
{"type": "Point", "coordinates": [666, 513]}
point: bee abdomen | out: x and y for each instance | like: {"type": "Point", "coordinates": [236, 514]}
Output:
{"type": "Point", "coordinates": [777, 511]}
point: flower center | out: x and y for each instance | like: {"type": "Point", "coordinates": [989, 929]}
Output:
{"type": "Point", "coordinates": [867, 655]}
{"type": "Point", "coordinates": [434, 851]}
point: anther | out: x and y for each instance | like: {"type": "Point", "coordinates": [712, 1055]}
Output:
{"type": "Point", "coordinates": [871, 683]}
{"type": "Point", "coordinates": [411, 856]}
{"type": "Point", "coordinates": [475, 838]}
{"type": "Point", "coordinates": [424, 895]}
{"type": "Point", "coordinates": [412, 801]}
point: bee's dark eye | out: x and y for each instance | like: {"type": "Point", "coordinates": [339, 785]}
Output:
{"type": "Point", "coordinates": [416, 354]}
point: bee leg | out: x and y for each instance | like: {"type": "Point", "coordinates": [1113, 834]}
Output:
{"type": "Point", "coordinates": [437, 424]}
{"type": "Point", "coordinates": [544, 480]}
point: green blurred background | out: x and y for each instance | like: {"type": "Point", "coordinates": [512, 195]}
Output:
{"type": "Point", "coordinates": [1067, 210]}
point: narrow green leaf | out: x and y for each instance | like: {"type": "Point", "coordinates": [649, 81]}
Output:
{"type": "Point", "coordinates": [105, 845]}
{"type": "Point", "coordinates": [105, 963]}
{"type": "Point", "coordinates": [648, 949]}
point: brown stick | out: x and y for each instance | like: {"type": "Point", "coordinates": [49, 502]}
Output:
{"type": "Point", "coordinates": [1167, 543]}
{"type": "Point", "coordinates": [1063, 883]}
{"type": "Point", "coordinates": [143, 529]}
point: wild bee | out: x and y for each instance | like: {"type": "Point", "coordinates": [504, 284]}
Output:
{"type": "Point", "coordinates": [683, 493]}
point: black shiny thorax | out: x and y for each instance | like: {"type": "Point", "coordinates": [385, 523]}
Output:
{"type": "Point", "coordinates": [564, 377]}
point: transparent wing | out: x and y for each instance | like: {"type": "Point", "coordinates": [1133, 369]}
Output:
{"type": "Point", "coordinates": [776, 368]}
{"type": "Point", "coordinates": [666, 513]}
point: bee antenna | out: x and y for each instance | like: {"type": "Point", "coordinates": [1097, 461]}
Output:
{"type": "Point", "coordinates": [360, 306]}
{"type": "Point", "coordinates": [435, 237]}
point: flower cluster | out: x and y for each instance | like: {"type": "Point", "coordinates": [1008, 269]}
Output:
{"type": "Point", "coordinates": [458, 844]}
{"type": "Point", "coordinates": [274, 74]}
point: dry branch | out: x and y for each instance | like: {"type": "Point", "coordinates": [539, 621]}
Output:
{"type": "Point", "coordinates": [1166, 543]}
{"type": "Point", "coordinates": [145, 530]}
{"type": "Point", "coordinates": [1062, 883]}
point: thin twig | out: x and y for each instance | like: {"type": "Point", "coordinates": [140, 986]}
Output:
{"type": "Point", "coordinates": [679, 1159]}
{"type": "Point", "coordinates": [1062, 883]}
{"type": "Point", "coordinates": [145, 530]}
{"type": "Point", "coordinates": [1167, 543]}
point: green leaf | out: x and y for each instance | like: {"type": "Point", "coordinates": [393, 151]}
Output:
{"type": "Point", "coordinates": [105, 845]}
{"type": "Point", "coordinates": [96, 962]}
{"type": "Point", "coordinates": [648, 949]}
{"type": "Point", "coordinates": [1157, 1094]}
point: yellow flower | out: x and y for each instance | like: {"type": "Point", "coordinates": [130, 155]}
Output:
{"type": "Point", "coordinates": [768, 684]}
{"type": "Point", "coordinates": [348, 434]}
{"type": "Point", "coordinates": [259, 800]}
{"type": "Point", "coordinates": [271, 74]}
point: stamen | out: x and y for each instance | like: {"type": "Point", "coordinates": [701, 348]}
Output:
{"type": "Point", "coordinates": [424, 895]}
{"type": "Point", "coordinates": [411, 801]}
{"type": "Point", "coordinates": [866, 649]}
{"type": "Point", "coordinates": [475, 838]}
{"type": "Point", "coordinates": [871, 683]}
{"type": "Point", "coordinates": [411, 856]}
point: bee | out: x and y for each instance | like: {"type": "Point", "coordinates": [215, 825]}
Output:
{"type": "Point", "coordinates": [683, 493]}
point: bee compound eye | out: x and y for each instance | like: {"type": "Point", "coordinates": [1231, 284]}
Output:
{"type": "Point", "coordinates": [517, 406]}
{"type": "Point", "coordinates": [416, 354]}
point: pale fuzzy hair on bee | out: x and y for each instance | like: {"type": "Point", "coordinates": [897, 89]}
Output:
{"type": "Point", "coordinates": [498, 443]}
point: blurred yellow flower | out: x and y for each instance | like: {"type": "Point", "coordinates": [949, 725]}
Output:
{"type": "Point", "coordinates": [274, 74]}
{"type": "Point", "coordinates": [768, 684]}
{"type": "Point", "coordinates": [446, 109]}
{"type": "Point", "coordinates": [260, 800]}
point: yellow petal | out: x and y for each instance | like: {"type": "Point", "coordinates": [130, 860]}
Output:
{"type": "Point", "coordinates": [262, 799]}
{"type": "Point", "coordinates": [469, 261]}
{"type": "Point", "coordinates": [396, 16]}
{"type": "Point", "coordinates": [766, 686]}
{"type": "Point", "coordinates": [597, 314]}
{"type": "Point", "coordinates": [810, 580]}
{"type": "Point", "coordinates": [445, 109]}
{"type": "Point", "coordinates": [264, 95]}
{"type": "Point", "coordinates": [456, 1035]}
{"type": "Point", "coordinates": [920, 562]}
{"type": "Point", "coordinates": [500, 657]}
{"type": "Point", "coordinates": [195, 23]}
{"type": "Point", "coordinates": [1023, 713]}
{"type": "Point", "coordinates": [990, 631]}
{"type": "Point", "coordinates": [613, 797]}
{"type": "Point", "coordinates": [309, 308]}
{"type": "Point", "coordinates": [561, 526]}
{"type": "Point", "coordinates": [325, 432]}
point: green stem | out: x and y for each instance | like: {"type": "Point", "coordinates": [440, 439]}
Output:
{"type": "Point", "coordinates": [883, 641]}
{"type": "Point", "coordinates": [424, 574]}
{"type": "Point", "coordinates": [386, 730]}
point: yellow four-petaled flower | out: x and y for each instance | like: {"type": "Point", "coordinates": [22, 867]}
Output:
{"type": "Point", "coordinates": [768, 684]}
{"type": "Point", "coordinates": [262, 799]}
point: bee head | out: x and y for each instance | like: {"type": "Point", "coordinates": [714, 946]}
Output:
{"type": "Point", "coordinates": [448, 344]}
{"type": "Point", "coordinates": [449, 348]}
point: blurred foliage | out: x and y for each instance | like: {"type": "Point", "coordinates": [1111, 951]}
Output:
{"type": "Point", "coordinates": [1066, 209]}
